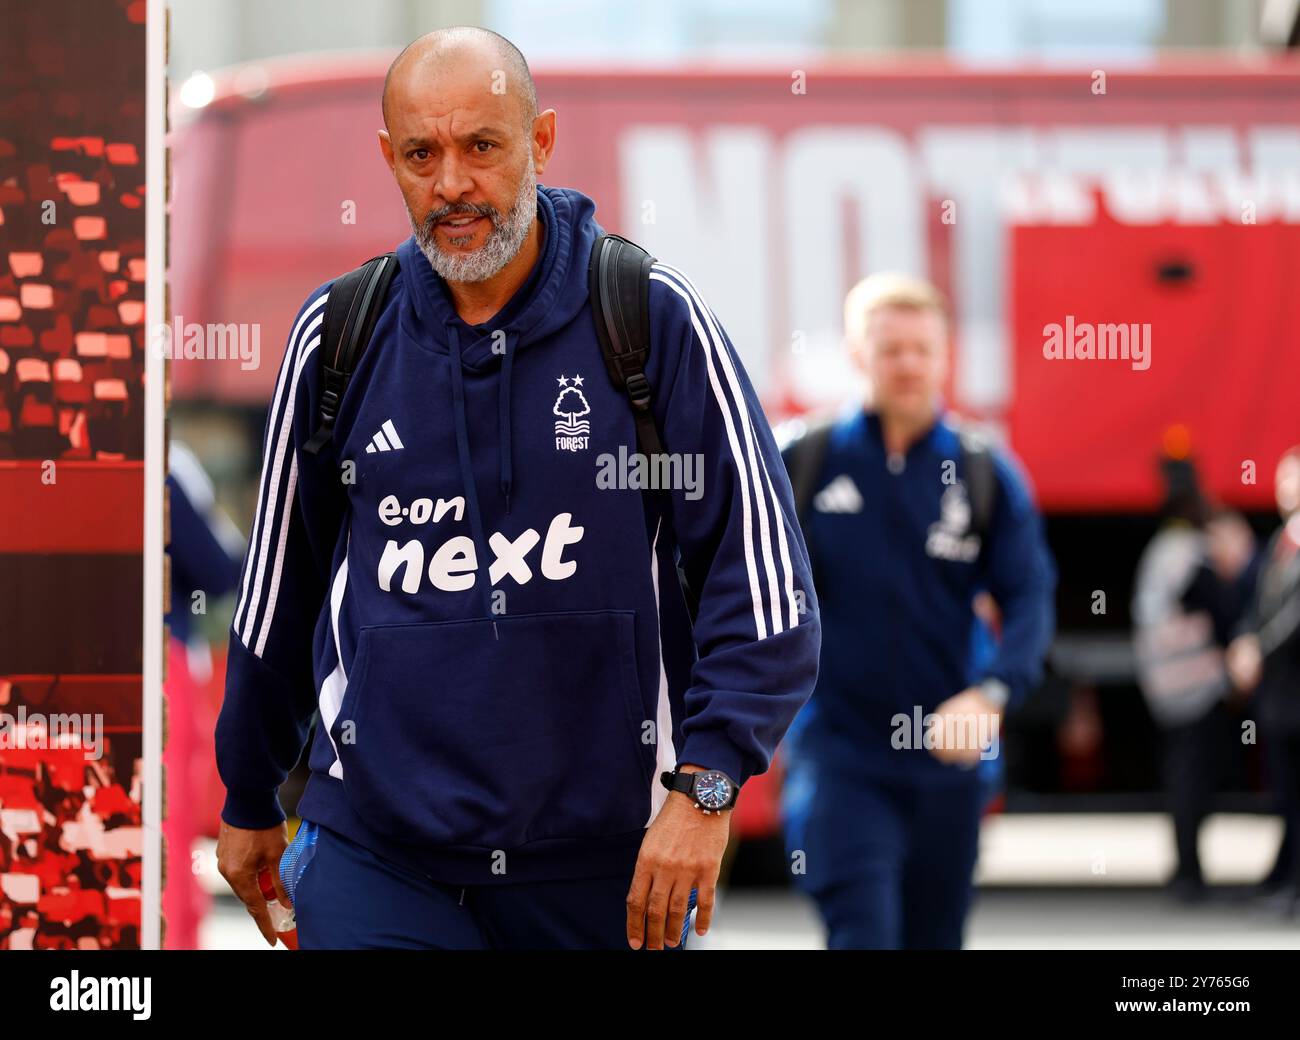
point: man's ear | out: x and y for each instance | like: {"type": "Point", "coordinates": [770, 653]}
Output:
{"type": "Point", "coordinates": [543, 141]}
{"type": "Point", "coordinates": [386, 147]}
{"type": "Point", "coordinates": [858, 354]}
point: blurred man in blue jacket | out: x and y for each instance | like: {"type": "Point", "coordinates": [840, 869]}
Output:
{"type": "Point", "coordinates": [908, 518]}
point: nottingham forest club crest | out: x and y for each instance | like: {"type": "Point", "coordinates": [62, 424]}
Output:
{"type": "Point", "coordinates": [571, 405]}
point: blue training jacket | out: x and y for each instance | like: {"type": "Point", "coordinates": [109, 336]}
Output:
{"type": "Point", "coordinates": [494, 635]}
{"type": "Point", "coordinates": [896, 567]}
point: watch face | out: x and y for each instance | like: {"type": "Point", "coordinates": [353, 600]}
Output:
{"type": "Point", "coordinates": [712, 789]}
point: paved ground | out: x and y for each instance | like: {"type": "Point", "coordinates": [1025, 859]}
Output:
{"type": "Point", "coordinates": [1051, 919]}
{"type": "Point", "coordinates": [1048, 919]}
{"type": "Point", "coordinates": [1077, 881]}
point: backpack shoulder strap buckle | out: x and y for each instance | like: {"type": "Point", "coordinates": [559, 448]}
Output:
{"type": "Point", "coordinates": [638, 389]}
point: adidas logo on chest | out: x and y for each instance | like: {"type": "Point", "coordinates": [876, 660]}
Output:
{"type": "Point", "coordinates": [841, 495]}
{"type": "Point", "coordinates": [386, 439]}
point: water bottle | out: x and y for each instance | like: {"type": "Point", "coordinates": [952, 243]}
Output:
{"type": "Point", "coordinates": [296, 856]}
{"type": "Point", "coordinates": [282, 919]}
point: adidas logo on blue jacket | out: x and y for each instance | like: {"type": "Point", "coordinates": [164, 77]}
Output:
{"type": "Point", "coordinates": [498, 648]}
{"type": "Point", "coordinates": [385, 439]}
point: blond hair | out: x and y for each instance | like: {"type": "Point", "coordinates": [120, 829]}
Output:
{"type": "Point", "coordinates": [888, 289]}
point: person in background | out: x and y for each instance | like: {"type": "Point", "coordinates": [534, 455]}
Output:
{"type": "Point", "coordinates": [1193, 585]}
{"type": "Point", "coordinates": [205, 549]}
{"type": "Point", "coordinates": [907, 521]}
{"type": "Point", "coordinates": [1265, 658]}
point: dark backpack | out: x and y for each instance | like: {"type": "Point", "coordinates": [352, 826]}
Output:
{"type": "Point", "coordinates": [351, 313]}
{"type": "Point", "coordinates": [806, 454]}
{"type": "Point", "coordinates": [618, 277]}
{"type": "Point", "coordinates": [619, 281]}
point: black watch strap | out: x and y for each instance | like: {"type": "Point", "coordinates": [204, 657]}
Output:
{"type": "Point", "coordinates": [678, 781]}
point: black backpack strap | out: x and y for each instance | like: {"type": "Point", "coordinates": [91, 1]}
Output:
{"type": "Point", "coordinates": [804, 457]}
{"type": "Point", "coordinates": [619, 282]}
{"type": "Point", "coordinates": [618, 279]}
{"type": "Point", "coordinates": [981, 479]}
{"type": "Point", "coordinates": [351, 313]}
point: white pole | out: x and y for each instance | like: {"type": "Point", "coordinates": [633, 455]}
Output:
{"type": "Point", "coordinates": [155, 471]}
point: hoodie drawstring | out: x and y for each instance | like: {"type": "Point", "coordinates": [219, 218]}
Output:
{"type": "Point", "coordinates": [467, 473]}
{"type": "Point", "coordinates": [507, 476]}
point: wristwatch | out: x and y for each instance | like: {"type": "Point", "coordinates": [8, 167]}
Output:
{"type": "Point", "coordinates": [712, 790]}
{"type": "Point", "coordinates": [996, 691]}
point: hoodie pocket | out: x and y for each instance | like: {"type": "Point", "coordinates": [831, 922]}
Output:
{"type": "Point", "coordinates": [466, 737]}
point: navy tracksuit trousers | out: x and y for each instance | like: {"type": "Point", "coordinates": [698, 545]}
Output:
{"type": "Point", "coordinates": [889, 862]}
{"type": "Point", "coordinates": [346, 897]}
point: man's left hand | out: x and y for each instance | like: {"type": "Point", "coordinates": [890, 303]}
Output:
{"type": "Point", "coordinates": [965, 715]}
{"type": "Point", "coordinates": [682, 850]}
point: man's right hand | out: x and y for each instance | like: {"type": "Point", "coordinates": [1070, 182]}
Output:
{"type": "Point", "coordinates": [1244, 662]}
{"type": "Point", "coordinates": [241, 856]}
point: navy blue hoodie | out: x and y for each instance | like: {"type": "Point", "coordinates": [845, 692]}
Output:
{"type": "Point", "coordinates": [897, 567]}
{"type": "Point", "coordinates": [495, 638]}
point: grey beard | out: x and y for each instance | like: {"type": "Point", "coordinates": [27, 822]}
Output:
{"type": "Point", "coordinates": [501, 246]}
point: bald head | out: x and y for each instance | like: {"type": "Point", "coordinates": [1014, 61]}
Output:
{"type": "Point", "coordinates": [469, 50]}
{"type": "Point", "coordinates": [466, 144]}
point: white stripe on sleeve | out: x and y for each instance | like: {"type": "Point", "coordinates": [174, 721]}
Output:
{"type": "Point", "coordinates": [763, 491]}
{"type": "Point", "coordinates": [742, 469]}
{"type": "Point", "coordinates": [270, 508]}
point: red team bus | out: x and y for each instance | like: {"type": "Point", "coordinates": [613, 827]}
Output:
{"type": "Point", "coordinates": [1140, 228]}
